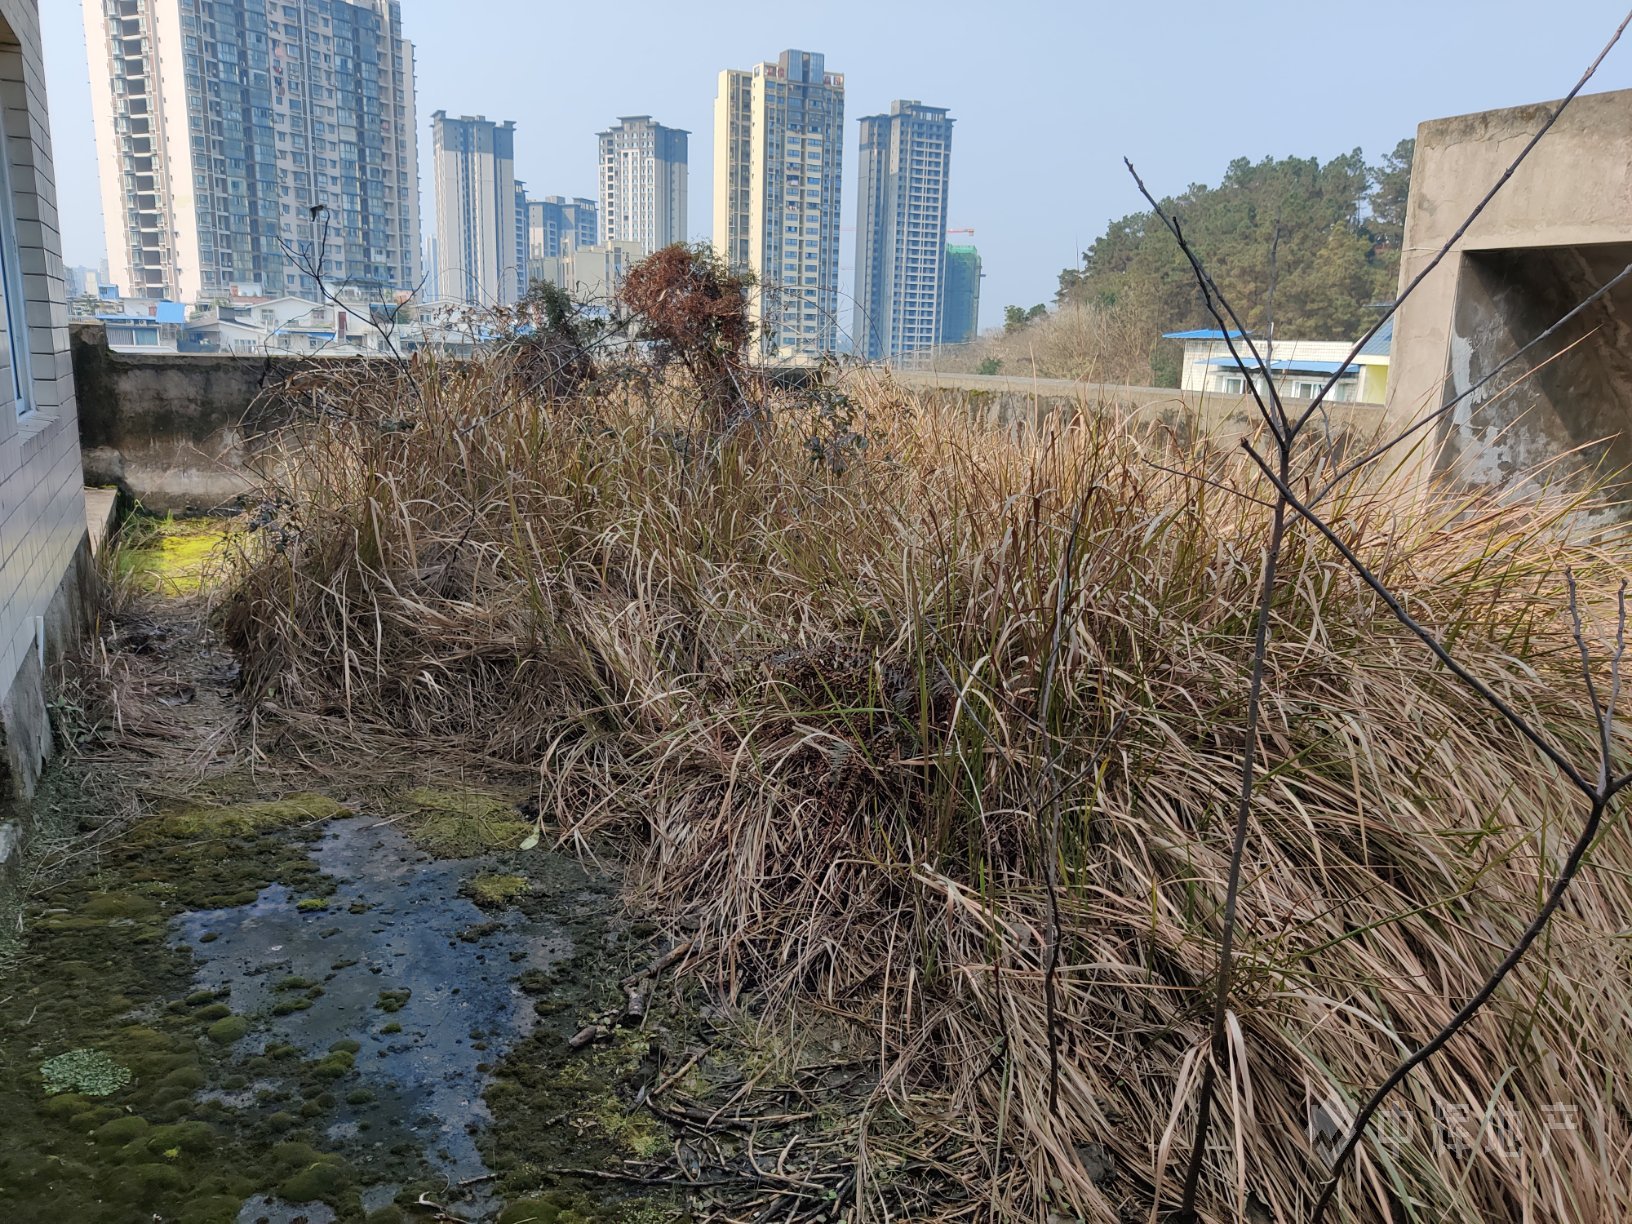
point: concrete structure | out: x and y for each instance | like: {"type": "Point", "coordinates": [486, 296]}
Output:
{"type": "Point", "coordinates": [901, 211]}
{"type": "Point", "coordinates": [46, 539]}
{"type": "Point", "coordinates": [960, 295]}
{"type": "Point", "coordinates": [778, 163]}
{"type": "Point", "coordinates": [643, 177]}
{"type": "Point", "coordinates": [1300, 368]}
{"type": "Point", "coordinates": [221, 127]}
{"type": "Point", "coordinates": [1558, 230]}
{"type": "Point", "coordinates": [174, 432]}
{"type": "Point", "coordinates": [1003, 399]}
{"type": "Point", "coordinates": [476, 222]}
{"type": "Point", "coordinates": [557, 219]}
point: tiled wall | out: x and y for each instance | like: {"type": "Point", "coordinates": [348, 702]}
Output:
{"type": "Point", "coordinates": [42, 503]}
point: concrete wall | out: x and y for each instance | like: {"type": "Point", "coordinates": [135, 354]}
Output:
{"type": "Point", "coordinates": [171, 431]}
{"type": "Point", "coordinates": [176, 432]}
{"type": "Point", "coordinates": [1559, 229]}
{"type": "Point", "coordinates": [1004, 399]}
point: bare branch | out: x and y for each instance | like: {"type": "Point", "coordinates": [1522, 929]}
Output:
{"type": "Point", "coordinates": [1218, 306]}
{"type": "Point", "coordinates": [1555, 896]}
{"type": "Point", "coordinates": [1392, 602]}
{"type": "Point", "coordinates": [1445, 409]}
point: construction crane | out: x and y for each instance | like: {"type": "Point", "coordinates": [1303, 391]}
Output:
{"type": "Point", "coordinates": [970, 232]}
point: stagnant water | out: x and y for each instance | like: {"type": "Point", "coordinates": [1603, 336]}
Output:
{"type": "Point", "coordinates": [390, 932]}
{"type": "Point", "coordinates": [310, 1025]}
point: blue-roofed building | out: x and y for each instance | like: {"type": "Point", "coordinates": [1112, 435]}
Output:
{"type": "Point", "coordinates": [1300, 368]}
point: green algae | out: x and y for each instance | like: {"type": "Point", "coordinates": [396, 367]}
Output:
{"type": "Point", "coordinates": [170, 556]}
{"type": "Point", "coordinates": [462, 824]}
{"type": "Point", "coordinates": [243, 819]}
{"type": "Point", "coordinates": [85, 1072]}
{"type": "Point", "coordinates": [495, 891]}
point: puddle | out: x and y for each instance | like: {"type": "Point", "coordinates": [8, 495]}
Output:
{"type": "Point", "coordinates": [287, 1020]}
{"type": "Point", "coordinates": [397, 961]}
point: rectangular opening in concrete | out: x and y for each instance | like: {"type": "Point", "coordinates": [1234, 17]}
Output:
{"type": "Point", "coordinates": [1571, 394]}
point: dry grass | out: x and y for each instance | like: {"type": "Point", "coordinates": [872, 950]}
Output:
{"type": "Point", "coordinates": [1090, 343]}
{"type": "Point", "coordinates": [806, 696]}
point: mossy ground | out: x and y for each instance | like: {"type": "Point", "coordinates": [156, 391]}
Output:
{"type": "Point", "coordinates": [463, 823]}
{"type": "Point", "coordinates": [213, 1113]}
{"type": "Point", "coordinates": [98, 971]}
{"type": "Point", "coordinates": [495, 890]}
{"type": "Point", "coordinates": [130, 1094]}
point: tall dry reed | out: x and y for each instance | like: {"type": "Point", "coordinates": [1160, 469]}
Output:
{"type": "Point", "coordinates": [799, 671]}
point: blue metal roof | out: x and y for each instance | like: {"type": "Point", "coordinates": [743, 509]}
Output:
{"type": "Point", "coordinates": [1291, 366]}
{"type": "Point", "coordinates": [1203, 333]}
{"type": "Point", "coordinates": [1382, 344]}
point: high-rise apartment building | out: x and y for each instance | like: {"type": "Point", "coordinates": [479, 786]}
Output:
{"type": "Point", "coordinates": [960, 295]}
{"type": "Point", "coordinates": [251, 142]}
{"type": "Point", "coordinates": [643, 183]}
{"type": "Point", "coordinates": [557, 219]}
{"type": "Point", "coordinates": [477, 230]}
{"type": "Point", "coordinates": [778, 160]}
{"type": "Point", "coordinates": [906, 161]}
{"type": "Point", "coordinates": [520, 262]}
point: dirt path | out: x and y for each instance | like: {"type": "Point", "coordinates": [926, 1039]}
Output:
{"type": "Point", "coordinates": [246, 995]}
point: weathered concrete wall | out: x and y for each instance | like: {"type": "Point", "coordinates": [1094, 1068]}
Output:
{"type": "Point", "coordinates": [1557, 231]}
{"type": "Point", "coordinates": [173, 432]}
{"type": "Point", "coordinates": [1004, 400]}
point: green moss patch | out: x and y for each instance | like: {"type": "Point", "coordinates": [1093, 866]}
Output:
{"type": "Point", "coordinates": [493, 891]}
{"type": "Point", "coordinates": [244, 819]}
{"type": "Point", "coordinates": [225, 1032]}
{"type": "Point", "coordinates": [463, 824]}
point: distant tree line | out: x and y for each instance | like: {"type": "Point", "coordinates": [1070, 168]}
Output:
{"type": "Point", "coordinates": [1336, 230]}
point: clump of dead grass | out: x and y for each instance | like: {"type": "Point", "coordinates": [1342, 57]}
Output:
{"type": "Point", "coordinates": [807, 695]}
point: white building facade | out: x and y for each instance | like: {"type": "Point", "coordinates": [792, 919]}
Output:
{"type": "Point", "coordinates": [477, 227]}
{"type": "Point", "coordinates": [778, 167]}
{"type": "Point", "coordinates": [251, 143]}
{"type": "Point", "coordinates": [644, 181]}
{"type": "Point", "coordinates": [43, 529]}
{"type": "Point", "coordinates": [905, 172]}
{"type": "Point", "coordinates": [1300, 368]}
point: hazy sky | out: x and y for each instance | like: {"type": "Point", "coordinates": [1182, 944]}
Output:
{"type": "Point", "coordinates": [1048, 97]}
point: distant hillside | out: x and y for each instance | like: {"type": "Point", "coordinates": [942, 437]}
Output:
{"type": "Point", "coordinates": [1340, 227]}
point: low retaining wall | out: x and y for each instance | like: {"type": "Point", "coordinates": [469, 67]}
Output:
{"type": "Point", "coordinates": [1005, 399]}
{"type": "Point", "coordinates": [175, 432]}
